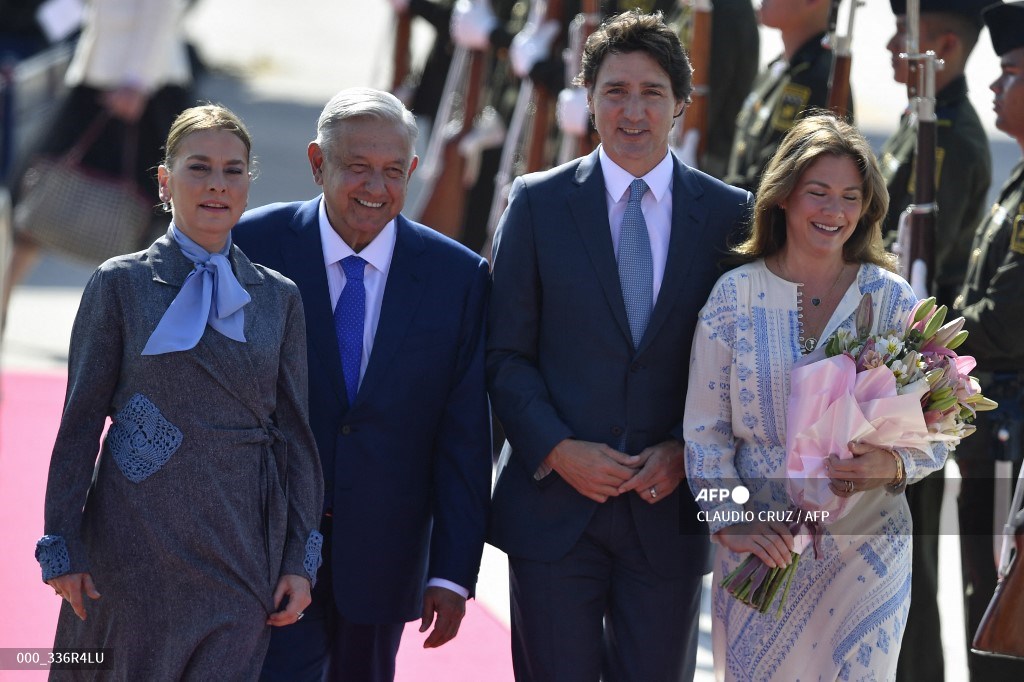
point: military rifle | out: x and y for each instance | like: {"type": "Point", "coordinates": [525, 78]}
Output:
{"type": "Point", "coordinates": [831, 37]}
{"type": "Point", "coordinates": [401, 54]}
{"type": "Point", "coordinates": [445, 208]}
{"type": "Point", "coordinates": [697, 26]}
{"type": "Point", "coordinates": [537, 157]}
{"type": "Point", "coordinates": [523, 151]}
{"type": "Point", "coordinates": [582, 26]}
{"type": "Point", "coordinates": [917, 224]}
{"type": "Point", "coordinates": [842, 58]}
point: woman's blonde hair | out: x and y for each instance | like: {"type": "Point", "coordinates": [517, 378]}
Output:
{"type": "Point", "coordinates": [206, 117]}
{"type": "Point", "coordinates": [818, 134]}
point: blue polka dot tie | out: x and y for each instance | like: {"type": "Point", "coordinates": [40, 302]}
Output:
{"type": "Point", "coordinates": [636, 267]}
{"type": "Point", "coordinates": [349, 316]}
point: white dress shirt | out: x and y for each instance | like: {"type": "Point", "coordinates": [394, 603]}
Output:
{"type": "Point", "coordinates": [377, 254]}
{"type": "Point", "coordinates": [656, 206]}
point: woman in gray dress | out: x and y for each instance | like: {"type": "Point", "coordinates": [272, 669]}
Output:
{"type": "Point", "coordinates": [198, 527]}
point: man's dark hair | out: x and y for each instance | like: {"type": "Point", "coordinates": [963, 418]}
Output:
{"type": "Point", "coordinates": [635, 31]}
{"type": "Point", "coordinates": [965, 29]}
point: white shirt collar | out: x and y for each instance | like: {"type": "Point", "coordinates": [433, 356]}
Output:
{"type": "Point", "coordinates": [617, 179]}
{"type": "Point", "coordinates": [377, 253]}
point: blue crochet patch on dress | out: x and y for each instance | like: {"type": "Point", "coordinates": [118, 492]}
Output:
{"type": "Point", "coordinates": [52, 555]}
{"type": "Point", "coordinates": [313, 560]}
{"type": "Point", "coordinates": [141, 439]}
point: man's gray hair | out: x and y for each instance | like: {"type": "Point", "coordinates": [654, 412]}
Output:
{"type": "Point", "coordinates": [363, 103]}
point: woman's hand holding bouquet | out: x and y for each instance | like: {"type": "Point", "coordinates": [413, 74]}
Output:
{"type": "Point", "coordinates": [873, 392]}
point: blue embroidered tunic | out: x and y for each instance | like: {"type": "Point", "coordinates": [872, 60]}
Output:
{"type": "Point", "coordinates": [846, 609]}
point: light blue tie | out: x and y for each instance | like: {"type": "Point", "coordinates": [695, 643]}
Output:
{"type": "Point", "coordinates": [636, 267]}
{"type": "Point", "coordinates": [210, 295]}
{"type": "Point", "coordinates": [349, 317]}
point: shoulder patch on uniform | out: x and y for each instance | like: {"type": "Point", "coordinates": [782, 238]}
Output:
{"type": "Point", "coordinates": [1017, 235]}
{"type": "Point", "coordinates": [792, 101]}
{"type": "Point", "coordinates": [890, 164]}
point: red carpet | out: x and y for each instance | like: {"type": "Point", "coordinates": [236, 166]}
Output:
{"type": "Point", "coordinates": [30, 408]}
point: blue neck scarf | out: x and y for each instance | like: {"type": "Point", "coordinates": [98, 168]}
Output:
{"type": "Point", "coordinates": [210, 295]}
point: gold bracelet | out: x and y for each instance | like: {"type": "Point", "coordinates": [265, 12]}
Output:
{"type": "Point", "coordinates": [901, 473]}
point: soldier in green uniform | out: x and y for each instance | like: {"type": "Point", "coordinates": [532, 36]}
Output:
{"type": "Point", "coordinates": [963, 172]}
{"type": "Point", "coordinates": [732, 75]}
{"type": "Point", "coordinates": [992, 302]}
{"type": "Point", "coordinates": [963, 165]}
{"type": "Point", "coordinates": [794, 82]}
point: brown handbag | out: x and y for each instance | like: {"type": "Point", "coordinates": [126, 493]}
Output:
{"type": "Point", "coordinates": [1001, 632]}
{"type": "Point", "coordinates": [79, 211]}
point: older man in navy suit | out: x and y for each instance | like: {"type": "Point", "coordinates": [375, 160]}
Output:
{"type": "Point", "coordinates": [600, 268]}
{"type": "Point", "coordinates": [395, 323]}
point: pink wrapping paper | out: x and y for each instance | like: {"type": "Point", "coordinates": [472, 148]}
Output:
{"type": "Point", "coordinates": [830, 405]}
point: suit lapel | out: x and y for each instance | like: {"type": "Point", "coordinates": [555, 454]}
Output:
{"type": "Point", "coordinates": [168, 263]}
{"type": "Point", "coordinates": [590, 209]}
{"type": "Point", "coordinates": [689, 216]}
{"type": "Point", "coordinates": [303, 256]}
{"type": "Point", "coordinates": [402, 293]}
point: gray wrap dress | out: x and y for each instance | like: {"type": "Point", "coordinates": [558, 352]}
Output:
{"type": "Point", "coordinates": [207, 488]}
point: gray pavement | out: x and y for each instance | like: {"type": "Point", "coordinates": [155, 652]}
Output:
{"type": "Point", "coordinates": [276, 67]}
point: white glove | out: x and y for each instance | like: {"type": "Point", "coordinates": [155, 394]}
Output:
{"type": "Point", "coordinates": [472, 23]}
{"type": "Point", "coordinates": [531, 45]}
{"type": "Point", "coordinates": [488, 132]}
{"type": "Point", "coordinates": [687, 149]}
{"type": "Point", "coordinates": [572, 112]}
{"type": "Point", "coordinates": [399, 5]}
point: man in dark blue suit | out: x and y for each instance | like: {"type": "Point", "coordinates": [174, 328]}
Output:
{"type": "Point", "coordinates": [600, 268]}
{"type": "Point", "coordinates": [395, 331]}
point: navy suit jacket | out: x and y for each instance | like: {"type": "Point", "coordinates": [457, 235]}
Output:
{"type": "Point", "coordinates": [561, 363]}
{"type": "Point", "coordinates": [408, 464]}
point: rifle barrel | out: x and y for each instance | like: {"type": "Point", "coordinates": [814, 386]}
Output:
{"type": "Point", "coordinates": [699, 50]}
{"type": "Point", "coordinates": [403, 36]}
{"type": "Point", "coordinates": [839, 85]}
{"type": "Point", "coordinates": [919, 254]}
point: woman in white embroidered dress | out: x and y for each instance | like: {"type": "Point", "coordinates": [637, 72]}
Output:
{"type": "Point", "coordinates": [814, 251]}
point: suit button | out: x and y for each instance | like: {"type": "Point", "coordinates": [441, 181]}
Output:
{"type": "Point", "coordinates": [635, 367]}
{"type": "Point", "coordinates": [616, 431]}
{"type": "Point", "coordinates": [346, 429]}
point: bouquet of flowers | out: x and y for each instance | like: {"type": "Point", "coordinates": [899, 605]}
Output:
{"type": "Point", "coordinates": [890, 390]}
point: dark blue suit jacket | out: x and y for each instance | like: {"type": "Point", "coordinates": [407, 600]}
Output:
{"type": "Point", "coordinates": [561, 363]}
{"type": "Point", "coordinates": [408, 464]}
